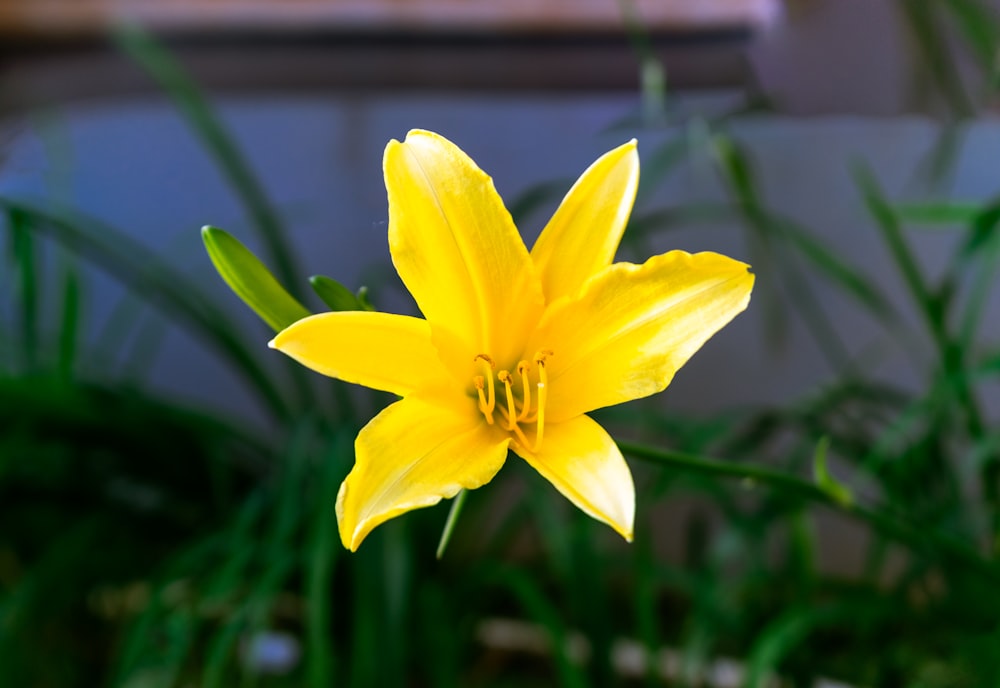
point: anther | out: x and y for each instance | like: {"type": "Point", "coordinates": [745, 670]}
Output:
{"type": "Point", "coordinates": [542, 355]}
{"type": "Point", "coordinates": [506, 379]}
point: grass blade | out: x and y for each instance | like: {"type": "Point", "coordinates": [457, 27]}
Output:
{"type": "Point", "coordinates": [940, 213]}
{"type": "Point", "coordinates": [322, 556]}
{"type": "Point", "coordinates": [143, 272]}
{"type": "Point", "coordinates": [23, 252]}
{"type": "Point", "coordinates": [69, 327]}
{"type": "Point", "coordinates": [187, 96]}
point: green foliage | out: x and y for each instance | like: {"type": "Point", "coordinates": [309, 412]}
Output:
{"type": "Point", "coordinates": [335, 295]}
{"type": "Point", "coordinates": [248, 277]}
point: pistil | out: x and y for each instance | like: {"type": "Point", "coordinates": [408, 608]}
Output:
{"type": "Point", "coordinates": [542, 396]}
{"type": "Point", "coordinates": [518, 410]}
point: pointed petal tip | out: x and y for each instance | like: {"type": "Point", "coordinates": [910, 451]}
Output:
{"type": "Point", "coordinates": [625, 527]}
{"type": "Point", "coordinates": [628, 149]}
{"type": "Point", "coordinates": [417, 133]}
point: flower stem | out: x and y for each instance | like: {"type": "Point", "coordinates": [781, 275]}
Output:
{"type": "Point", "coordinates": [449, 525]}
{"type": "Point", "coordinates": [918, 539]}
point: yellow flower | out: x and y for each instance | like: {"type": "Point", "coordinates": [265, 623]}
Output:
{"type": "Point", "coordinates": [516, 347]}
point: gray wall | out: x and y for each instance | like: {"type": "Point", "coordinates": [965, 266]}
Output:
{"type": "Point", "coordinates": [136, 165]}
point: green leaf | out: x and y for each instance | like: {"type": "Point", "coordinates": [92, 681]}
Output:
{"type": "Point", "coordinates": [363, 299]}
{"type": "Point", "coordinates": [981, 254]}
{"type": "Point", "coordinates": [536, 197]}
{"type": "Point", "coordinates": [888, 223]}
{"type": "Point", "coordinates": [251, 280]}
{"type": "Point", "coordinates": [321, 557]}
{"type": "Point", "coordinates": [661, 162]}
{"type": "Point", "coordinates": [982, 227]}
{"type": "Point", "coordinates": [734, 163]}
{"type": "Point", "coordinates": [186, 95]}
{"type": "Point", "coordinates": [334, 294]}
{"type": "Point", "coordinates": [780, 638]}
{"type": "Point", "coordinates": [26, 263]}
{"type": "Point", "coordinates": [149, 278]}
{"type": "Point", "coordinates": [69, 329]}
{"type": "Point", "coordinates": [978, 26]}
{"type": "Point", "coordinates": [826, 482]}
{"type": "Point", "coordinates": [839, 271]}
{"type": "Point", "coordinates": [941, 213]}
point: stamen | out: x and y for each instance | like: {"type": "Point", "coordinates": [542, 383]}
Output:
{"type": "Point", "coordinates": [479, 383]}
{"type": "Point", "coordinates": [506, 379]}
{"type": "Point", "coordinates": [488, 367]}
{"type": "Point", "coordinates": [520, 435]}
{"type": "Point", "coordinates": [522, 369]}
{"type": "Point", "coordinates": [515, 428]}
{"type": "Point", "coordinates": [542, 395]}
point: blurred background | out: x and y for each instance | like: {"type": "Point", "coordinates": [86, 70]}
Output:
{"type": "Point", "coordinates": [167, 483]}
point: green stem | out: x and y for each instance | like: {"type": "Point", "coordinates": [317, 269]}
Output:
{"type": "Point", "coordinates": [949, 352]}
{"type": "Point", "coordinates": [930, 304]}
{"type": "Point", "coordinates": [917, 538]}
{"type": "Point", "coordinates": [449, 525]}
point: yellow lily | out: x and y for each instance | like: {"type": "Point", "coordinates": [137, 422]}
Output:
{"type": "Point", "coordinates": [515, 347]}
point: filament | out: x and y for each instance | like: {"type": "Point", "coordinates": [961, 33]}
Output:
{"type": "Point", "coordinates": [487, 400]}
{"type": "Point", "coordinates": [483, 405]}
{"type": "Point", "coordinates": [522, 369]}
{"type": "Point", "coordinates": [543, 392]}
{"type": "Point", "coordinates": [506, 379]}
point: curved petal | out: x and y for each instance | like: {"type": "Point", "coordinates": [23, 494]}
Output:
{"type": "Point", "coordinates": [379, 350]}
{"type": "Point", "coordinates": [412, 455]}
{"type": "Point", "coordinates": [581, 238]}
{"type": "Point", "coordinates": [457, 250]}
{"type": "Point", "coordinates": [626, 334]}
{"type": "Point", "coordinates": [585, 464]}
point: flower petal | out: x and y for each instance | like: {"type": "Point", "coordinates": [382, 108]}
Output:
{"type": "Point", "coordinates": [626, 334]}
{"type": "Point", "coordinates": [379, 350]}
{"type": "Point", "coordinates": [457, 250]}
{"type": "Point", "coordinates": [585, 464]}
{"type": "Point", "coordinates": [410, 456]}
{"type": "Point", "coordinates": [581, 238]}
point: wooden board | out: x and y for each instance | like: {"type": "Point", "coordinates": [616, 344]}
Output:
{"type": "Point", "coordinates": [74, 18]}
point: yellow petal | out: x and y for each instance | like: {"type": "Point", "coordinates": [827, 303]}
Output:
{"type": "Point", "coordinates": [583, 462]}
{"type": "Point", "coordinates": [583, 235]}
{"type": "Point", "coordinates": [379, 350]}
{"type": "Point", "coordinates": [457, 250]}
{"type": "Point", "coordinates": [412, 455]}
{"type": "Point", "coordinates": [626, 334]}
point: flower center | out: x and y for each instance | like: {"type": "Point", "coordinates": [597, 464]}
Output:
{"type": "Point", "coordinates": [522, 404]}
